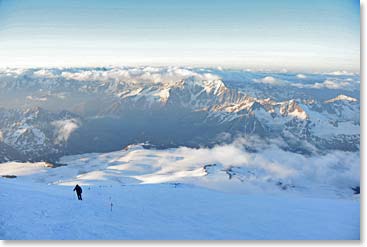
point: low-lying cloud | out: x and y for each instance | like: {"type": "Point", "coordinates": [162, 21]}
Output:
{"type": "Point", "coordinates": [328, 83]}
{"type": "Point", "coordinates": [332, 84]}
{"type": "Point", "coordinates": [333, 173]}
{"type": "Point", "coordinates": [136, 75]}
{"type": "Point", "coordinates": [64, 128]}
{"type": "Point", "coordinates": [301, 76]}
{"type": "Point", "coordinates": [340, 72]}
{"type": "Point", "coordinates": [269, 80]}
{"type": "Point", "coordinates": [334, 80]}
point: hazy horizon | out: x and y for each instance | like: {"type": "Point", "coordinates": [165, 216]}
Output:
{"type": "Point", "coordinates": [212, 67]}
{"type": "Point", "coordinates": [262, 35]}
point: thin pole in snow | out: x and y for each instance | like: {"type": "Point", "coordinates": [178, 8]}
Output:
{"type": "Point", "coordinates": [111, 204]}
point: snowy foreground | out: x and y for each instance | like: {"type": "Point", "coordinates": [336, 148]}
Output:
{"type": "Point", "coordinates": [132, 194]}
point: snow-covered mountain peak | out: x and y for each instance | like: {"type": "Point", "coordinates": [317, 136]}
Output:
{"type": "Point", "coordinates": [214, 85]}
{"type": "Point", "coordinates": [217, 87]}
{"type": "Point", "coordinates": [291, 108]}
{"type": "Point", "coordinates": [341, 97]}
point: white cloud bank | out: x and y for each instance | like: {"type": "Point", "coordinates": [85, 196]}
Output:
{"type": "Point", "coordinates": [141, 74]}
{"type": "Point", "coordinates": [333, 80]}
{"type": "Point", "coordinates": [340, 72]}
{"type": "Point", "coordinates": [317, 174]}
{"type": "Point", "coordinates": [329, 84]}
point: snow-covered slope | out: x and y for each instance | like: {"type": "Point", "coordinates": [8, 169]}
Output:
{"type": "Point", "coordinates": [219, 193]}
{"type": "Point", "coordinates": [167, 211]}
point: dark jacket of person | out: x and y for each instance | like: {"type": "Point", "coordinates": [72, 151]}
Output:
{"type": "Point", "coordinates": [78, 189]}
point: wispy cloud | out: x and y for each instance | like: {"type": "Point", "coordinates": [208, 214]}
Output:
{"type": "Point", "coordinates": [340, 72]}
{"type": "Point", "coordinates": [301, 76]}
{"type": "Point", "coordinates": [329, 84]}
{"type": "Point", "coordinates": [269, 80]}
{"type": "Point", "coordinates": [64, 128]}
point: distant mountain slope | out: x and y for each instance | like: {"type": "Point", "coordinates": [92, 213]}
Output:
{"type": "Point", "coordinates": [50, 112]}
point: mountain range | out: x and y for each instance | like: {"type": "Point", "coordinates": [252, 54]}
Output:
{"type": "Point", "coordinates": [48, 113]}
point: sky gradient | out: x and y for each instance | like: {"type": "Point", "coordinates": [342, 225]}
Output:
{"type": "Point", "coordinates": [313, 35]}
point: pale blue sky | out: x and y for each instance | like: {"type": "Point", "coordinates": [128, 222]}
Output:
{"type": "Point", "coordinates": [313, 35]}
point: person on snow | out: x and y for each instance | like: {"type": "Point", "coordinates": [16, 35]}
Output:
{"type": "Point", "coordinates": [78, 191]}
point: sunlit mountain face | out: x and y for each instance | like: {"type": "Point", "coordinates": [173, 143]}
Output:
{"type": "Point", "coordinates": [48, 113]}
